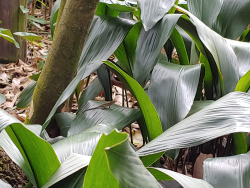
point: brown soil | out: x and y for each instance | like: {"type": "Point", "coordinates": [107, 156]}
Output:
{"type": "Point", "coordinates": [10, 172]}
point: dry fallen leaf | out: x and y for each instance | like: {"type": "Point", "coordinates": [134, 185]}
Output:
{"type": "Point", "coordinates": [198, 165]}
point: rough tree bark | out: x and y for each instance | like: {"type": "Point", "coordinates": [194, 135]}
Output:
{"type": "Point", "coordinates": [14, 20]}
{"type": "Point", "coordinates": [61, 65]}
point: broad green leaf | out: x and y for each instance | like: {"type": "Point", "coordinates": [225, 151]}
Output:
{"type": "Point", "coordinates": [107, 31]}
{"type": "Point", "coordinates": [43, 166]}
{"type": "Point", "coordinates": [245, 37]}
{"type": "Point", "coordinates": [4, 185]}
{"type": "Point", "coordinates": [64, 121]}
{"type": "Point", "coordinates": [185, 181]}
{"type": "Point", "coordinates": [98, 164]}
{"type": "Point", "coordinates": [83, 143]}
{"type": "Point", "coordinates": [26, 96]}
{"type": "Point", "coordinates": [28, 36]}
{"type": "Point", "coordinates": [89, 93]}
{"type": "Point", "coordinates": [147, 52]}
{"type": "Point", "coordinates": [37, 25]}
{"type": "Point", "coordinates": [222, 15]}
{"type": "Point", "coordinates": [183, 4]}
{"type": "Point", "coordinates": [187, 41]}
{"type": "Point", "coordinates": [105, 78]}
{"type": "Point", "coordinates": [125, 53]}
{"type": "Point", "coordinates": [106, 34]}
{"type": "Point", "coordinates": [153, 11]}
{"type": "Point", "coordinates": [206, 11]}
{"type": "Point", "coordinates": [6, 119]}
{"type": "Point", "coordinates": [239, 139]}
{"type": "Point", "coordinates": [35, 76]}
{"type": "Point", "coordinates": [37, 153]}
{"type": "Point", "coordinates": [148, 110]}
{"type": "Point", "coordinates": [152, 120]}
{"type": "Point", "coordinates": [117, 5]}
{"type": "Point", "coordinates": [13, 152]}
{"type": "Point", "coordinates": [227, 172]}
{"type": "Point", "coordinates": [244, 83]}
{"type": "Point", "coordinates": [191, 30]}
{"type": "Point", "coordinates": [198, 105]}
{"type": "Point", "coordinates": [2, 98]}
{"type": "Point", "coordinates": [126, 15]}
{"type": "Point", "coordinates": [103, 9]}
{"type": "Point", "coordinates": [180, 47]}
{"type": "Point", "coordinates": [38, 20]}
{"type": "Point", "coordinates": [176, 87]}
{"type": "Point", "coordinates": [94, 123]}
{"type": "Point", "coordinates": [242, 52]}
{"type": "Point", "coordinates": [53, 16]}
{"type": "Point", "coordinates": [227, 23]}
{"type": "Point", "coordinates": [115, 115]}
{"type": "Point", "coordinates": [222, 52]}
{"type": "Point", "coordinates": [73, 181]}
{"type": "Point", "coordinates": [74, 163]}
{"type": "Point", "coordinates": [173, 103]}
{"type": "Point", "coordinates": [227, 115]}
{"type": "Point", "coordinates": [131, 172]}
{"type": "Point", "coordinates": [240, 143]}
{"type": "Point", "coordinates": [6, 34]}
{"type": "Point", "coordinates": [82, 73]}
{"type": "Point", "coordinates": [172, 10]}
{"type": "Point", "coordinates": [24, 10]}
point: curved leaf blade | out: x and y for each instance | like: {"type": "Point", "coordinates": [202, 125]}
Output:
{"type": "Point", "coordinates": [206, 11]}
{"type": "Point", "coordinates": [153, 11]}
{"type": "Point", "coordinates": [89, 93]}
{"type": "Point", "coordinates": [98, 163]}
{"type": "Point", "coordinates": [53, 16]}
{"type": "Point", "coordinates": [4, 185]}
{"type": "Point", "coordinates": [227, 115]}
{"type": "Point", "coordinates": [26, 96]}
{"type": "Point", "coordinates": [6, 34]}
{"type": "Point", "coordinates": [147, 52]}
{"type": "Point", "coordinates": [222, 52]}
{"type": "Point", "coordinates": [106, 34]}
{"type": "Point", "coordinates": [131, 172]}
{"type": "Point", "coordinates": [148, 110]}
{"type": "Point", "coordinates": [31, 146]}
{"type": "Point", "coordinates": [228, 172]}
{"type": "Point", "coordinates": [227, 23]}
{"type": "Point", "coordinates": [73, 164]}
{"type": "Point", "coordinates": [28, 36]}
{"type": "Point", "coordinates": [185, 181]}
{"type": "Point", "coordinates": [115, 115]}
{"type": "Point", "coordinates": [13, 152]}
{"type": "Point", "coordinates": [173, 103]}
{"type": "Point", "coordinates": [38, 20]}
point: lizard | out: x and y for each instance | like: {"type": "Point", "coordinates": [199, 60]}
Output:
{"type": "Point", "coordinates": [108, 104]}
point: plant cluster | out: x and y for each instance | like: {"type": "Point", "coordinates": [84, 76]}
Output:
{"type": "Point", "coordinates": [212, 69]}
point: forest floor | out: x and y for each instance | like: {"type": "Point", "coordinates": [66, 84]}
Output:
{"type": "Point", "coordinates": [14, 78]}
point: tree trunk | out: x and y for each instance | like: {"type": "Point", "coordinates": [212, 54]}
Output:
{"type": "Point", "coordinates": [61, 65]}
{"type": "Point", "coordinates": [15, 20]}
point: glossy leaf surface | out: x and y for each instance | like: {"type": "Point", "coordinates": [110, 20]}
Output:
{"type": "Point", "coordinates": [176, 87]}
{"type": "Point", "coordinates": [227, 115]}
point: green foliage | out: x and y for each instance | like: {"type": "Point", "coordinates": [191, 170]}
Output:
{"type": "Point", "coordinates": [31, 37]}
{"type": "Point", "coordinates": [24, 10]}
{"type": "Point", "coordinates": [6, 34]}
{"type": "Point", "coordinates": [166, 103]}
